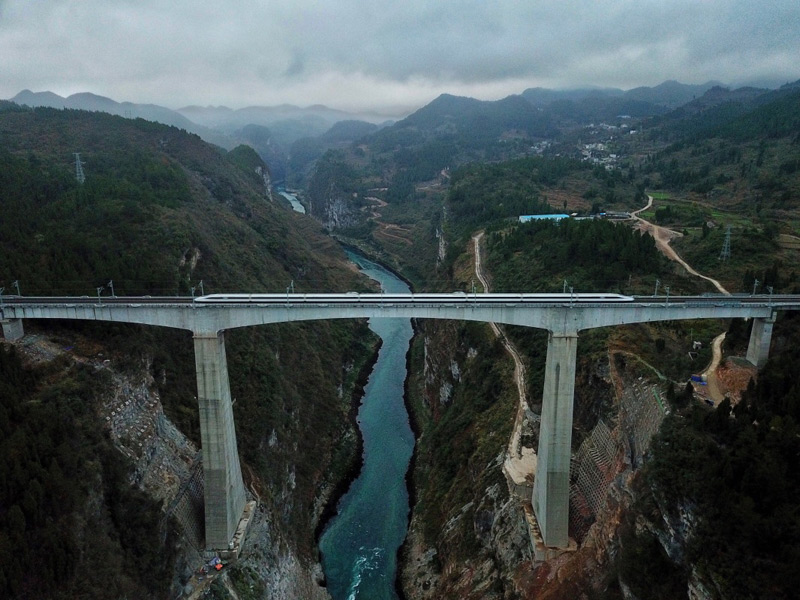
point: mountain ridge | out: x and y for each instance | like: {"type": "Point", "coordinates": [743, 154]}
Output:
{"type": "Point", "coordinates": [160, 210]}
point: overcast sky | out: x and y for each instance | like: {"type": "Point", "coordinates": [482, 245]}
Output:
{"type": "Point", "coordinates": [361, 54]}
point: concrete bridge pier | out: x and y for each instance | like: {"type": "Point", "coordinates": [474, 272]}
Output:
{"type": "Point", "coordinates": [12, 329]}
{"type": "Point", "coordinates": [224, 488]}
{"type": "Point", "coordinates": [760, 338]}
{"type": "Point", "coordinates": [551, 483]}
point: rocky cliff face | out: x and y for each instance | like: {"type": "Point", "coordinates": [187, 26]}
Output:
{"type": "Point", "coordinates": [165, 464]}
{"type": "Point", "coordinates": [270, 563]}
{"type": "Point", "coordinates": [335, 195]}
{"type": "Point", "coordinates": [263, 173]}
{"type": "Point", "coordinates": [477, 543]}
{"type": "Point", "coordinates": [468, 534]}
{"type": "Point", "coordinates": [336, 212]}
{"type": "Point", "coordinates": [499, 526]}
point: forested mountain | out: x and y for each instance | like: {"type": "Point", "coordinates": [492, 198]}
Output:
{"type": "Point", "coordinates": [451, 131]}
{"type": "Point", "coordinates": [130, 110]}
{"type": "Point", "coordinates": [148, 174]}
{"type": "Point", "coordinates": [270, 130]}
{"type": "Point", "coordinates": [348, 131]}
{"type": "Point", "coordinates": [772, 114]}
{"type": "Point", "coordinates": [481, 195]}
{"type": "Point", "coordinates": [471, 122]}
{"type": "Point", "coordinates": [448, 132]}
{"type": "Point", "coordinates": [418, 198]}
{"type": "Point", "coordinates": [740, 154]}
{"type": "Point", "coordinates": [588, 105]}
{"type": "Point", "coordinates": [737, 468]}
{"type": "Point", "coordinates": [159, 211]}
{"type": "Point", "coordinates": [305, 151]}
{"type": "Point", "coordinates": [720, 108]}
{"type": "Point", "coordinates": [669, 94]}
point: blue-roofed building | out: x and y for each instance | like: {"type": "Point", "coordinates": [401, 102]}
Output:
{"type": "Point", "coordinates": [553, 217]}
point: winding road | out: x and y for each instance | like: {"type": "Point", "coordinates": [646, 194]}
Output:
{"type": "Point", "coordinates": [385, 229]}
{"type": "Point", "coordinates": [520, 462]}
{"type": "Point", "coordinates": [663, 237]}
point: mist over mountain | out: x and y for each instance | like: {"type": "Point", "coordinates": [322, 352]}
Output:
{"type": "Point", "coordinates": [290, 138]}
{"type": "Point", "coordinates": [288, 123]}
{"type": "Point", "coordinates": [213, 123]}
{"type": "Point", "coordinates": [271, 131]}
{"type": "Point", "coordinates": [224, 118]}
{"type": "Point", "coordinates": [584, 105]}
{"type": "Point", "coordinates": [670, 93]}
{"type": "Point", "coordinates": [131, 110]}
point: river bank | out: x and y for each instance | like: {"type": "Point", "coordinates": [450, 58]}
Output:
{"type": "Point", "coordinates": [359, 544]}
{"type": "Point", "coordinates": [357, 461]}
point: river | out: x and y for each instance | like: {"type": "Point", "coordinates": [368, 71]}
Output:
{"type": "Point", "coordinates": [296, 206]}
{"type": "Point", "coordinates": [359, 545]}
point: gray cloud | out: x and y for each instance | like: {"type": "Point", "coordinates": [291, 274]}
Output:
{"type": "Point", "coordinates": [360, 53]}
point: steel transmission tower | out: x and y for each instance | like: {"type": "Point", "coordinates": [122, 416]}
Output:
{"type": "Point", "coordinates": [79, 168]}
{"type": "Point", "coordinates": [726, 246]}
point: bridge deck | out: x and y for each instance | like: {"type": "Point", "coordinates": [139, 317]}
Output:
{"type": "Point", "coordinates": [554, 312]}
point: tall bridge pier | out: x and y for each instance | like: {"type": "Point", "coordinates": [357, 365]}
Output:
{"type": "Point", "coordinates": [224, 488]}
{"type": "Point", "coordinates": [550, 499]}
{"type": "Point", "coordinates": [760, 338]}
{"type": "Point", "coordinates": [12, 329]}
{"type": "Point", "coordinates": [551, 483]}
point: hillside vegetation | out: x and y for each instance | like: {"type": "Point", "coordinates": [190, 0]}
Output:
{"type": "Point", "coordinates": [160, 211]}
{"type": "Point", "coordinates": [60, 473]}
{"type": "Point", "coordinates": [736, 469]}
{"type": "Point", "coordinates": [728, 157]}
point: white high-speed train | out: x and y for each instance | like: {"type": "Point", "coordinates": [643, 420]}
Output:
{"type": "Point", "coordinates": [456, 297]}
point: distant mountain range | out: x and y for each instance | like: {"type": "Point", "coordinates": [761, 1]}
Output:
{"type": "Point", "coordinates": [316, 119]}
{"type": "Point", "coordinates": [270, 130]}
{"type": "Point", "coordinates": [228, 119]}
{"type": "Point", "coordinates": [149, 112]}
{"type": "Point", "coordinates": [288, 134]}
{"type": "Point", "coordinates": [287, 123]}
{"type": "Point", "coordinates": [725, 112]}
{"type": "Point", "coordinates": [600, 104]}
{"type": "Point", "coordinates": [216, 124]}
{"type": "Point", "coordinates": [542, 113]}
{"type": "Point", "coordinates": [669, 94]}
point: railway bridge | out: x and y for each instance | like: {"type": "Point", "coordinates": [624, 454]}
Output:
{"type": "Point", "coordinates": [564, 316]}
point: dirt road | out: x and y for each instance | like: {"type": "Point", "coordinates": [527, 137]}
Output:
{"type": "Point", "coordinates": [389, 230]}
{"type": "Point", "coordinates": [712, 381]}
{"type": "Point", "coordinates": [520, 463]}
{"type": "Point", "coordinates": [663, 237]}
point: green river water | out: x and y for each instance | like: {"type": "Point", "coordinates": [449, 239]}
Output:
{"type": "Point", "coordinates": [359, 545]}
